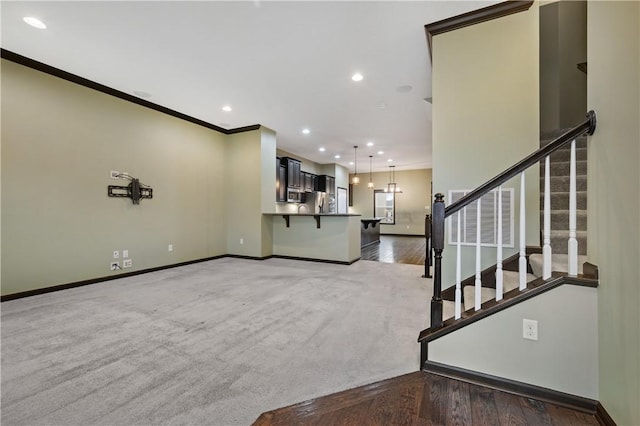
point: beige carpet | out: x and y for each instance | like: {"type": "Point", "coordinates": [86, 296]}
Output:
{"type": "Point", "coordinates": [216, 343]}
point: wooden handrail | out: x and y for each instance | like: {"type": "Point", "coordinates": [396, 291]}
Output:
{"type": "Point", "coordinates": [440, 212]}
{"type": "Point", "coordinates": [588, 126]}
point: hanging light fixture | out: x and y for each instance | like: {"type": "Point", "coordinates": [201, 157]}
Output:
{"type": "Point", "coordinates": [392, 186]}
{"type": "Point", "coordinates": [355, 179]}
{"type": "Point", "coordinates": [370, 184]}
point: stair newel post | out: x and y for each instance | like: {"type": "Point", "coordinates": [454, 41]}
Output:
{"type": "Point", "coordinates": [572, 248]}
{"type": "Point", "coordinates": [546, 248]}
{"type": "Point", "coordinates": [458, 306]}
{"type": "Point", "coordinates": [522, 261]}
{"type": "Point", "coordinates": [478, 281]}
{"type": "Point", "coordinates": [499, 275]}
{"type": "Point", "coordinates": [437, 241]}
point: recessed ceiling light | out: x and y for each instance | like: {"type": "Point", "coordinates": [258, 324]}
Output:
{"type": "Point", "coordinates": [337, 156]}
{"type": "Point", "coordinates": [226, 108]}
{"type": "Point", "coordinates": [369, 143]}
{"type": "Point", "coordinates": [357, 77]}
{"type": "Point", "coordinates": [306, 131]}
{"type": "Point", "coordinates": [380, 152]}
{"type": "Point", "coordinates": [390, 160]}
{"type": "Point", "coordinates": [351, 163]}
{"type": "Point", "coordinates": [383, 105]}
{"type": "Point", "coordinates": [34, 22]}
{"type": "Point", "coordinates": [321, 149]}
{"type": "Point", "coordinates": [141, 94]}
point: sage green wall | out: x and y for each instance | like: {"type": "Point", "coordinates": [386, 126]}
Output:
{"type": "Point", "coordinates": [59, 143]}
{"type": "Point", "coordinates": [485, 116]}
{"type": "Point", "coordinates": [614, 199]}
{"type": "Point", "coordinates": [411, 206]}
{"type": "Point", "coordinates": [564, 358]}
{"type": "Point", "coordinates": [563, 44]}
{"type": "Point", "coordinates": [338, 238]}
{"type": "Point", "coordinates": [244, 192]}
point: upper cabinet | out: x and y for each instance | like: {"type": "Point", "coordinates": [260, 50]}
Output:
{"type": "Point", "coordinates": [308, 181]}
{"type": "Point", "coordinates": [293, 172]}
{"type": "Point", "coordinates": [325, 183]}
{"type": "Point", "coordinates": [281, 181]}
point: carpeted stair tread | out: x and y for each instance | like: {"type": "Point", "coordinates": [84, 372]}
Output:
{"type": "Point", "coordinates": [448, 309]}
{"type": "Point", "coordinates": [565, 155]}
{"type": "Point", "coordinates": [560, 241]}
{"type": "Point", "coordinates": [560, 200]}
{"type": "Point", "coordinates": [561, 183]}
{"type": "Point", "coordinates": [560, 220]}
{"type": "Point", "coordinates": [559, 263]}
{"type": "Point", "coordinates": [486, 294]}
{"type": "Point", "coordinates": [511, 280]}
{"type": "Point", "coordinates": [562, 168]}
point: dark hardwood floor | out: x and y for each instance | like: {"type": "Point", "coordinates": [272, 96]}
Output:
{"type": "Point", "coordinates": [424, 399]}
{"type": "Point", "coordinates": [396, 249]}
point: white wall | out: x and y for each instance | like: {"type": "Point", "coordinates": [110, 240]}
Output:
{"type": "Point", "coordinates": [564, 358]}
{"type": "Point", "coordinates": [614, 199]}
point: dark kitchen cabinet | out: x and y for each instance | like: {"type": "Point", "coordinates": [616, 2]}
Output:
{"type": "Point", "coordinates": [309, 182]}
{"type": "Point", "coordinates": [293, 172]}
{"type": "Point", "coordinates": [281, 182]}
{"type": "Point", "coordinates": [326, 184]}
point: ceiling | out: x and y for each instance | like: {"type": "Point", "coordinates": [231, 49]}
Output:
{"type": "Point", "coordinates": [285, 65]}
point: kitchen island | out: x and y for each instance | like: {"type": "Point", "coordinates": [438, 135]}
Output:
{"type": "Point", "coordinates": [370, 231]}
{"type": "Point", "coordinates": [319, 236]}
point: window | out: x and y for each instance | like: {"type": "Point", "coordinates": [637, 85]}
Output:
{"type": "Point", "coordinates": [384, 206]}
{"type": "Point", "coordinates": [488, 219]}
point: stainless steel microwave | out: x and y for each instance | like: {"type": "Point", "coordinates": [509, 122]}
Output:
{"type": "Point", "coordinates": [295, 196]}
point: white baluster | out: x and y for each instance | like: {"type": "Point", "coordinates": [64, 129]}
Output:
{"type": "Point", "coordinates": [478, 281]}
{"type": "Point", "coordinates": [499, 275]}
{"type": "Point", "coordinates": [522, 261]}
{"type": "Point", "coordinates": [458, 274]}
{"type": "Point", "coordinates": [546, 248]}
{"type": "Point", "coordinates": [573, 242]}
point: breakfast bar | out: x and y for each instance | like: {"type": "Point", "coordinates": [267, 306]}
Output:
{"type": "Point", "coordinates": [328, 237]}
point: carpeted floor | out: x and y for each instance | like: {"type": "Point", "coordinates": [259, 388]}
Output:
{"type": "Point", "coordinates": [213, 343]}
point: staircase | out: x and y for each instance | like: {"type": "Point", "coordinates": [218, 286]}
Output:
{"type": "Point", "coordinates": [510, 281]}
{"type": "Point", "coordinates": [559, 185]}
{"type": "Point", "coordinates": [559, 172]}
{"type": "Point", "coordinates": [531, 271]}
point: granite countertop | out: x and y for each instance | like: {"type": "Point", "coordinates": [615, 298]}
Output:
{"type": "Point", "coordinates": [312, 214]}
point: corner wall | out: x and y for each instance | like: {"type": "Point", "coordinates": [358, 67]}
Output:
{"type": "Point", "coordinates": [486, 117]}
{"type": "Point", "coordinates": [60, 141]}
{"type": "Point", "coordinates": [613, 86]}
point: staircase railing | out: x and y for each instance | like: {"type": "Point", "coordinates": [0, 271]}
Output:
{"type": "Point", "coordinates": [440, 213]}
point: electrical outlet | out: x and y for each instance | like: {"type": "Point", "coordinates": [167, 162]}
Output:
{"type": "Point", "coordinates": [125, 253]}
{"type": "Point", "coordinates": [114, 174]}
{"type": "Point", "coordinates": [127, 263]}
{"type": "Point", "coordinates": [116, 254]}
{"type": "Point", "coordinates": [529, 329]}
{"type": "Point", "coordinates": [241, 241]}
{"type": "Point", "coordinates": [170, 248]}
{"type": "Point", "coordinates": [114, 266]}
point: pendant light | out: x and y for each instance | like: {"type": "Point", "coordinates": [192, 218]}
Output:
{"type": "Point", "coordinates": [392, 186]}
{"type": "Point", "coordinates": [355, 179]}
{"type": "Point", "coordinates": [370, 184]}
